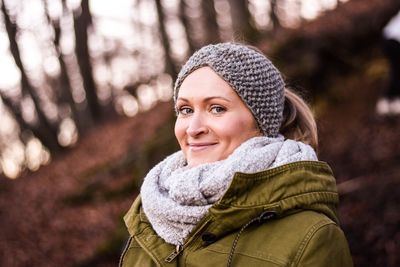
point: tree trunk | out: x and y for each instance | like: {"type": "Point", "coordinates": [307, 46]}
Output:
{"type": "Point", "coordinates": [43, 135]}
{"type": "Point", "coordinates": [65, 90]}
{"type": "Point", "coordinates": [169, 64]}
{"type": "Point", "coordinates": [186, 25]}
{"type": "Point", "coordinates": [242, 21]}
{"type": "Point", "coordinates": [210, 22]}
{"type": "Point", "coordinates": [49, 132]}
{"type": "Point", "coordinates": [82, 22]}
{"type": "Point", "coordinates": [273, 13]}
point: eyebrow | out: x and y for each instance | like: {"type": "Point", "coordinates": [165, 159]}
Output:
{"type": "Point", "coordinates": [207, 98]}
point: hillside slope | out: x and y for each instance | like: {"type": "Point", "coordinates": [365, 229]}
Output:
{"type": "Point", "coordinates": [64, 213]}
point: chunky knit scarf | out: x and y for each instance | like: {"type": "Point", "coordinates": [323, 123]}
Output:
{"type": "Point", "coordinates": [175, 197]}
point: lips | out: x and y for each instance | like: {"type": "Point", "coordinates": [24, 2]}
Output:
{"type": "Point", "coordinates": [200, 146]}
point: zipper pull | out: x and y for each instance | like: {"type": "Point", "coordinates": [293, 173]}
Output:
{"type": "Point", "coordinates": [174, 253]}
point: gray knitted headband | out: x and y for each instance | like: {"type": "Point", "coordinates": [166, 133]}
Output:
{"type": "Point", "coordinates": [254, 78]}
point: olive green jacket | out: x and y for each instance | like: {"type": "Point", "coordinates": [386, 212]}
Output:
{"type": "Point", "coordinates": [284, 216]}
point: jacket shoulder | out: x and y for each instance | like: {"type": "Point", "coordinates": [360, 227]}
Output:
{"type": "Point", "coordinates": [306, 238]}
{"type": "Point", "coordinates": [323, 244]}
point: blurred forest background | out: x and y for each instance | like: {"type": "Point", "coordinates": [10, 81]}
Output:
{"type": "Point", "coordinates": [85, 111]}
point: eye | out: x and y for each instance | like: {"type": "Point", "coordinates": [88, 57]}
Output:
{"type": "Point", "coordinates": [217, 109]}
{"type": "Point", "coordinates": [185, 110]}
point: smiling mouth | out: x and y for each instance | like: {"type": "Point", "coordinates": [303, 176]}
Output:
{"type": "Point", "coordinates": [200, 146]}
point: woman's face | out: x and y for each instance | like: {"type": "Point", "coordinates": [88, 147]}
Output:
{"type": "Point", "coordinates": [212, 119]}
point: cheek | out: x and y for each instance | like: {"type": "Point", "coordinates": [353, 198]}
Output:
{"type": "Point", "coordinates": [239, 130]}
{"type": "Point", "coordinates": [179, 130]}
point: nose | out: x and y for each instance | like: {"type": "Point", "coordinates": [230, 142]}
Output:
{"type": "Point", "coordinates": [196, 125]}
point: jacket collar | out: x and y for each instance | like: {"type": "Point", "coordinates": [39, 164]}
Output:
{"type": "Point", "coordinates": [290, 188]}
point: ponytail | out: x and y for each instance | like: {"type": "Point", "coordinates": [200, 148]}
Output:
{"type": "Point", "coordinates": [298, 120]}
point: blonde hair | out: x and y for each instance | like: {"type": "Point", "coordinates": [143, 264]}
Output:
{"type": "Point", "coordinates": [298, 120]}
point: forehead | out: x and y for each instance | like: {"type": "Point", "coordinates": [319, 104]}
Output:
{"type": "Point", "coordinates": [203, 82]}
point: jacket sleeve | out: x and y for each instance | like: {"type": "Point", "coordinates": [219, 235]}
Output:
{"type": "Point", "coordinates": [325, 246]}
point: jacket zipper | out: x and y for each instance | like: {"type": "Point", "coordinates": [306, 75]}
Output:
{"type": "Point", "coordinates": [179, 248]}
{"type": "Point", "coordinates": [174, 254]}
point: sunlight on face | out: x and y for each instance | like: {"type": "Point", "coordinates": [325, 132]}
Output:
{"type": "Point", "coordinates": [212, 119]}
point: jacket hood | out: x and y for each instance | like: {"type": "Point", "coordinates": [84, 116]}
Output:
{"type": "Point", "coordinates": [288, 189]}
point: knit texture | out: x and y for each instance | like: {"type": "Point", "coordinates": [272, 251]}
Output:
{"type": "Point", "coordinates": [254, 78]}
{"type": "Point", "coordinates": [175, 197]}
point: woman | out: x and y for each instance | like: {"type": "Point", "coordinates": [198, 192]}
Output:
{"type": "Point", "coordinates": [246, 189]}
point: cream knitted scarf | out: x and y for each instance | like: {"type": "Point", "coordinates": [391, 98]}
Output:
{"type": "Point", "coordinates": [175, 197]}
